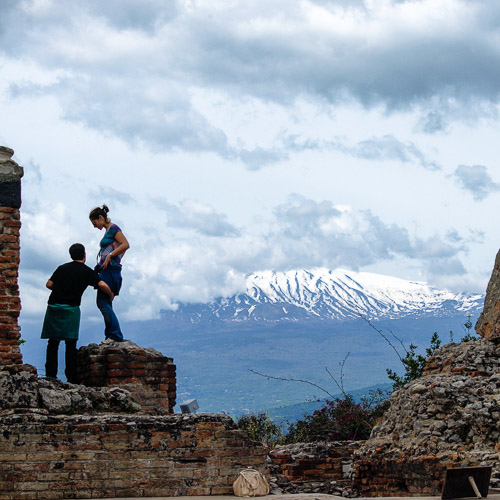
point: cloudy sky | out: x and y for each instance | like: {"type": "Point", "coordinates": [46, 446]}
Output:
{"type": "Point", "coordinates": [234, 136]}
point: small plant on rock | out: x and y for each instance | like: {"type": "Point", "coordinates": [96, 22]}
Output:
{"type": "Point", "coordinates": [413, 364]}
{"type": "Point", "coordinates": [469, 332]}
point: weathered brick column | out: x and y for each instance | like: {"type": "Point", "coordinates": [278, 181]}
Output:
{"type": "Point", "coordinates": [145, 373]}
{"type": "Point", "coordinates": [10, 304]}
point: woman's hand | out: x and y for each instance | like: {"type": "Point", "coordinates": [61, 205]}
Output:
{"type": "Point", "coordinates": [107, 260]}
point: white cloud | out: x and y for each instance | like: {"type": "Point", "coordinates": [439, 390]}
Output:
{"type": "Point", "coordinates": [166, 264]}
{"type": "Point", "coordinates": [203, 219]}
{"type": "Point", "coordinates": [129, 71]}
{"type": "Point", "coordinates": [476, 180]}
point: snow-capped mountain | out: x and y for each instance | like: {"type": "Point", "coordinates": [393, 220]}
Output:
{"type": "Point", "coordinates": [329, 295]}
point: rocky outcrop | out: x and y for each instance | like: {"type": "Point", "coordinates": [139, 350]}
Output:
{"type": "Point", "coordinates": [488, 324]}
{"type": "Point", "coordinates": [21, 389]}
{"type": "Point", "coordinates": [449, 417]}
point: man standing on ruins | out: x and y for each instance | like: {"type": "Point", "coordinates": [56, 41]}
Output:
{"type": "Point", "coordinates": [62, 318]}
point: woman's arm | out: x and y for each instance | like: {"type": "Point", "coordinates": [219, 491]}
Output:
{"type": "Point", "coordinates": [123, 246]}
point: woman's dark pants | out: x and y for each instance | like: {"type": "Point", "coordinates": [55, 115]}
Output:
{"type": "Point", "coordinates": [113, 278]}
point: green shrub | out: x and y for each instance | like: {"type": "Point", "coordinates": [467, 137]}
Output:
{"type": "Point", "coordinates": [413, 364]}
{"type": "Point", "coordinates": [469, 333]}
{"type": "Point", "coordinates": [260, 427]}
{"type": "Point", "coordinates": [340, 419]}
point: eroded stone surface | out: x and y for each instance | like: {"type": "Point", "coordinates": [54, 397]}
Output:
{"type": "Point", "coordinates": [111, 456]}
{"type": "Point", "coordinates": [488, 324]}
{"type": "Point", "coordinates": [319, 467]}
{"type": "Point", "coordinates": [9, 169]}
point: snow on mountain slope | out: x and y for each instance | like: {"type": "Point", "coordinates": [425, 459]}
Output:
{"type": "Point", "coordinates": [324, 294]}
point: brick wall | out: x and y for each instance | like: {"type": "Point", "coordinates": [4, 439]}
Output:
{"type": "Point", "coordinates": [53, 457]}
{"type": "Point", "coordinates": [385, 474]}
{"type": "Point", "coordinates": [145, 373]}
{"type": "Point", "coordinates": [312, 462]}
{"type": "Point", "coordinates": [10, 305]}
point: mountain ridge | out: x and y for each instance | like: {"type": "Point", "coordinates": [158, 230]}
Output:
{"type": "Point", "coordinates": [323, 294]}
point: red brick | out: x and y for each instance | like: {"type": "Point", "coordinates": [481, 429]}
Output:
{"type": "Point", "coordinates": [12, 223]}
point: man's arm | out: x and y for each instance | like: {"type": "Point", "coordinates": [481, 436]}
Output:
{"type": "Point", "coordinates": [103, 286]}
{"type": "Point", "coordinates": [49, 284]}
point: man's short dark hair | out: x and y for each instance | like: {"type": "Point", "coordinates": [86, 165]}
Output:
{"type": "Point", "coordinates": [77, 251]}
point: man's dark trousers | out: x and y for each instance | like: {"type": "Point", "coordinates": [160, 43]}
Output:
{"type": "Point", "coordinates": [51, 360]}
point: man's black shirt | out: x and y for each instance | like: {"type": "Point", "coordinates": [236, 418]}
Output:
{"type": "Point", "coordinates": [70, 281]}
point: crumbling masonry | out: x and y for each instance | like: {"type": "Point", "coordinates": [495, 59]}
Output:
{"type": "Point", "coordinates": [116, 436]}
{"type": "Point", "coordinates": [450, 417]}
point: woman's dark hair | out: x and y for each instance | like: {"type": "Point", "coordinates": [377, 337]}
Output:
{"type": "Point", "coordinates": [77, 251]}
{"type": "Point", "coordinates": [97, 211]}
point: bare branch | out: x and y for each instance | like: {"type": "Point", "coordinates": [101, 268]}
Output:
{"type": "Point", "coordinates": [341, 384]}
{"type": "Point", "coordinates": [398, 339]}
{"type": "Point", "coordinates": [381, 333]}
{"type": "Point", "coordinates": [293, 380]}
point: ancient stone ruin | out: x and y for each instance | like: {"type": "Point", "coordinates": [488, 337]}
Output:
{"type": "Point", "coordinates": [114, 436]}
{"type": "Point", "coordinates": [10, 305]}
{"type": "Point", "coordinates": [450, 417]}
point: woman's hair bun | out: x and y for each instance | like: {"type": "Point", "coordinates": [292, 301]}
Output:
{"type": "Point", "coordinates": [96, 212]}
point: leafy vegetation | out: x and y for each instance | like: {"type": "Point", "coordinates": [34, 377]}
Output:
{"type": "Point", "coordinates": [339, 419]}
{"type": "Point", "coordinates": [469, 332]}
{"type": "Point", "coordinates": [259, 427]}
{"type": "Point", "coordinates": [414, 364]}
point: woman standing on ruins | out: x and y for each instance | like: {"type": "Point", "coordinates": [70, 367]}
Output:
{"type": "Point", "coordinates": [113, 247]}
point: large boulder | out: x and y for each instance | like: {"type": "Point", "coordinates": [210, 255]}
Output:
{"type": "Point", "coordinates": [488, 324]}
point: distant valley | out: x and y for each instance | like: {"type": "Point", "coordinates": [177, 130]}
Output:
{"type": "Point", "coordinates": [292, 325]}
